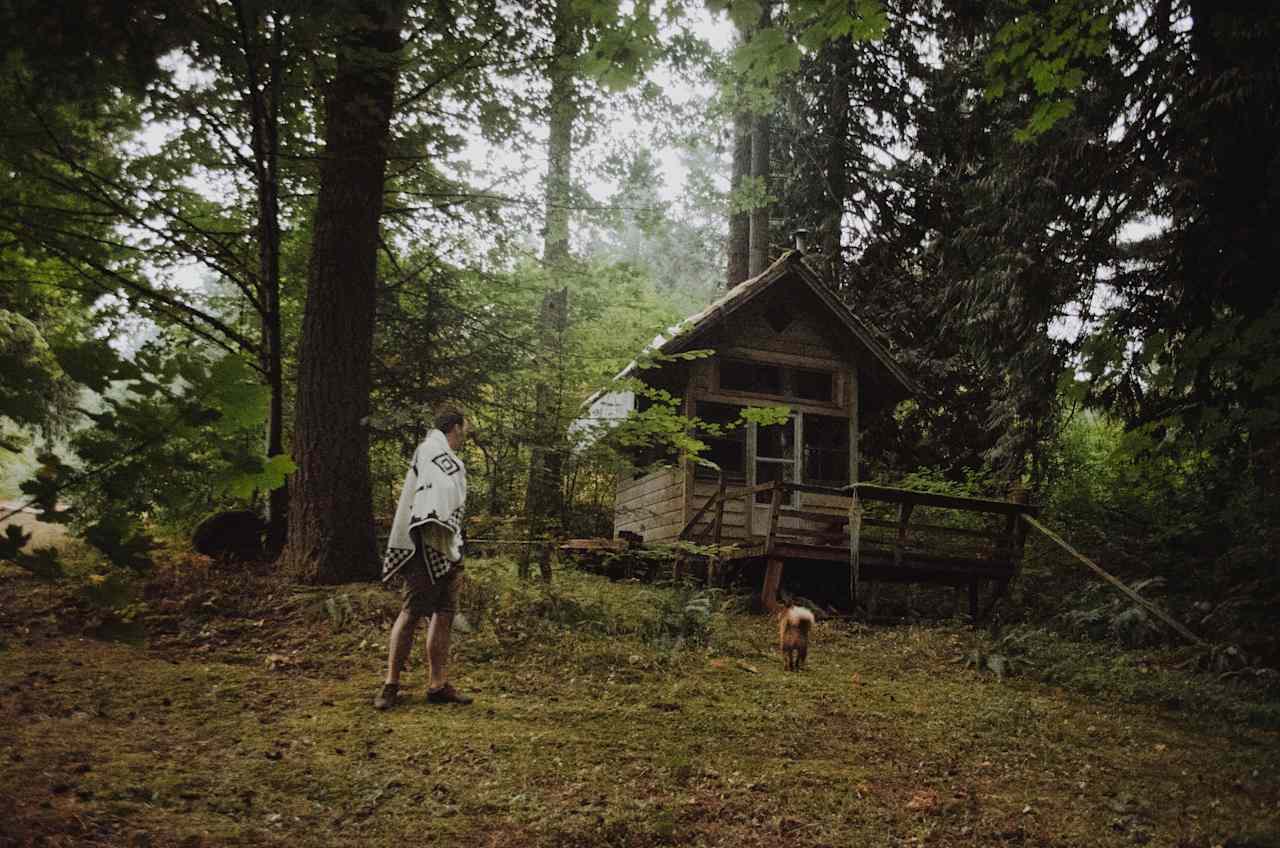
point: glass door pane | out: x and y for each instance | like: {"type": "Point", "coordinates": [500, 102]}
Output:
{"type": "Point", "coordinates": [775, 456]}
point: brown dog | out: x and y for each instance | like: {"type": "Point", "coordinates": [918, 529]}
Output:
{"type": "Point", "coordinates": [793, 636]}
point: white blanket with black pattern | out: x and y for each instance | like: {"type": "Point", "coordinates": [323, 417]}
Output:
{"type": "Point", "coordinates": [433, 499]}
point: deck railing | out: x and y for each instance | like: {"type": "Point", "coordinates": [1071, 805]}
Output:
{"type": "Point", "coordinates": [899, 534]}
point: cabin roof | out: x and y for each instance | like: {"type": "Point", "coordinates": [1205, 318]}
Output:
{"type": "Point", "coordinates": [683, 336]}
{"type": "Point", "coordinates": [608, 406]}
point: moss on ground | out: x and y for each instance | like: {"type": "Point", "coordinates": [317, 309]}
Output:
{"type": "Point", "coordinates": [606, 714]}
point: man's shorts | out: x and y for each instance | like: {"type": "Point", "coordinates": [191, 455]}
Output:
{"type": "Point", "coordinates": [423, 597]}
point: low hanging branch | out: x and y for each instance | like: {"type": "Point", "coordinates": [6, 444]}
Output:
{"type": "Point", "coordinates": [1143, 602]}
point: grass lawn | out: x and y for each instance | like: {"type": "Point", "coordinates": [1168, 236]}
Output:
{"type": "Point", "coordinates": [606, 714]}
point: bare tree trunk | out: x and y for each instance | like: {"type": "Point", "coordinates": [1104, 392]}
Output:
{"type": "Point", "coordinates": [759, 253]}
{"type": "Point", "coordinates": [264, 108]}
{"type": "Point", "coordinates": [546, 461]}
{"type": "Point", "coordinates": [740, 220]}
{"type": "Point", "coordinates": [331, 535]}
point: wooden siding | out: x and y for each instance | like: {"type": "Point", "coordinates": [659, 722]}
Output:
{"type": "Point", "coordinates": [652, 505]}
{"type": "Point", "coordinates": [803, 337]}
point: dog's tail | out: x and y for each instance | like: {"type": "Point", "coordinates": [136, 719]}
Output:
{"type": "Point", "coordinates": [795, 618]}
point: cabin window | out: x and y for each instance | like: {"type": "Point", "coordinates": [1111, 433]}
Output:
{"type": "Point", "coordinates": [757, 377]}
{"type": "Point", "coordinates": [729, 448]}
{"type": "Point", "coordinates": [813, 385]}
{"type": "Point", "coordinates": [763, 378]}
{"type": "Point", "coordinates": [826, 450]}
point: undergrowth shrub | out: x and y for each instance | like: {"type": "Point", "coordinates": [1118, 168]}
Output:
{"type": "Point", "coordinates": [1171, 679]}
{"type": "Point", "coordinates": [663, 617]}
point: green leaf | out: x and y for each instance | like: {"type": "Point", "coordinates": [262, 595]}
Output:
{"type": "Point", "coordinates": [122, 543]}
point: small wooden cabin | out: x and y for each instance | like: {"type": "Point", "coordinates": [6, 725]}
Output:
{"type": "Point", "coordinates": [790, 492]}
{"type": "Point", "coordinates": [782, 337]}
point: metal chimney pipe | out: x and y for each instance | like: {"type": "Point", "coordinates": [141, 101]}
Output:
{"type": "Point", "coordinates": [800, 235]}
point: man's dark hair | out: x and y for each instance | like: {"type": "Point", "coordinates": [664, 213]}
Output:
{"type": "Point", "coordinates": [448, 416]}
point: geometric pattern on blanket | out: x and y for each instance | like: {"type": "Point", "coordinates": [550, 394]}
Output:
{"type": "Point", "coordinates": [438, 564]}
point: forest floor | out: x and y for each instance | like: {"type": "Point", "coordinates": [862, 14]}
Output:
{"type": "Point", "coordinates": [605, 714]}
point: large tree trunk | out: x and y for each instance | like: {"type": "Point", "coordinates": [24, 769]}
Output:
{"type": "Point", "coordinates": [759, 252]}
{"type": "Point", "coordinates": [740, 220]}
{"type": "Point", "coordinates": [759, 255]}
{"type": "Point", "coordinates": [563, 111]}
{"type": "Point", "coordinates": [837, 133]}
{"type": "Point", "coordinates": [546, 461]}
{"type": "Point", "coordinates": [331, 537]}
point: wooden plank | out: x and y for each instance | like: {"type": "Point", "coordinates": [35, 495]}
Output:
{"type": "Point", "coordinates": [648, 483]}
{"type": "Point", "coordinates": [820, 517]}
{"type": "Point", "coordinates": [660, 495]}
{"type": "Point", "coordinates": [720, 497]}
{"type": "Point", "coordinates": [813, 488]}
{"type": "Point", "coordinates": [665, 533]}
{"type": "Point", "coordinates": [870, 491]}
{"type": "Point", "coordinates": [1134, 596]}
{"type": "Point", "coordinates": [990, 535]}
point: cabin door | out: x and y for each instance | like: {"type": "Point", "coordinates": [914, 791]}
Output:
{"type": "Point", "coordinates": [775, 459]}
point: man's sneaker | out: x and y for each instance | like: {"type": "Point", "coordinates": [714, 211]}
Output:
{"type": "Point", "coordinates": [387, 697]}
{"type": "Point", "coordinates": [446, 694]}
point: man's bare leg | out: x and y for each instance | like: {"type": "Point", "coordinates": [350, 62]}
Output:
{"type": "Point", "coordinates": [400, 643]}
{"type": "Point", "coordinates": [438, 648]}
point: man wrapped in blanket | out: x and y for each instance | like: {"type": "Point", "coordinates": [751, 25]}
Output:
{"type": "Point", "coordinates": [425, 549]}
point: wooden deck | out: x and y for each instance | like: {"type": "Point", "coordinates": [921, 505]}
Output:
{"type": "Point", "coordinates": [883, 535]}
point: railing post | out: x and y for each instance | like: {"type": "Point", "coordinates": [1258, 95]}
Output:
{"type": "Point", "coordinates": [720, 510]}
{"type": "Point", "coordinates": [855, 535]}
{"type": "Point", "coordinates": [904, 518]}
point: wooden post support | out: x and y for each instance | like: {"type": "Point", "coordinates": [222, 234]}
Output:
{"type": "Point", "coordinates": [904, 518]}
{"type": "Point", "coordinates": [775, 507]}
{"type": "Point", "coordinates": [772, 580]}
{"type": "Point", "coordinates": [997, 593]}
{"type": "Point", "coordinates": [973, 599]}
{"type": "Point", "coordinates": [855, 539]}
{"type": "Point", "coordinates": [1134, 596]}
